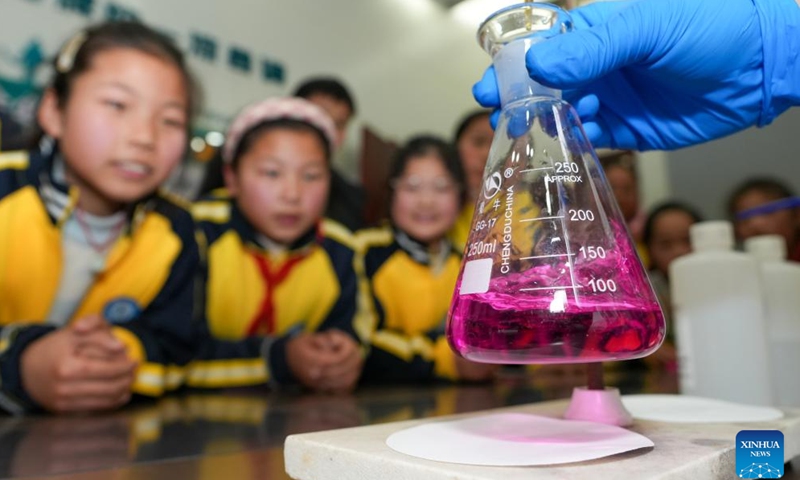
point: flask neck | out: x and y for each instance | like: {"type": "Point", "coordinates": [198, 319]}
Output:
{"type": "Point", "coordinates": [513, 80]}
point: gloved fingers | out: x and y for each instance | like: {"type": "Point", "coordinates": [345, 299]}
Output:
{"type": "Point", "coordinates": [486, 91]}
{"type": "Point", "coordinates": [602, 127]}
{"type": "Point", "coordinates": [609, 130]}
{"type": "Point", "coordinates": [517, 120]}
{"type": "Point", "coordinates": [494, 117]}
{"type": "Point", "coordinates": [596, 135]}
{"type": "Point", "coordinates": [587, 107]}
{"type": "Point", "coordinates": [574, 59]}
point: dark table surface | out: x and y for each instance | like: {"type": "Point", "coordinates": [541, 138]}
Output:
{"type": "Point", "coordinates": [239, 434]}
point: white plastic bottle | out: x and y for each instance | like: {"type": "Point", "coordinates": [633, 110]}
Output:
{"type": "Point", "coordinates": [780, 282]}
{"type": "Point", "coordinates": [719, 321]}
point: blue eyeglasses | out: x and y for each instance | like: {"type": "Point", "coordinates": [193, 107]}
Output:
{"type": "Point", "coordinates": [777, 205]}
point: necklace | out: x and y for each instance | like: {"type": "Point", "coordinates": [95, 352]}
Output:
{"type": "Point", "coordinates": [98, 247]}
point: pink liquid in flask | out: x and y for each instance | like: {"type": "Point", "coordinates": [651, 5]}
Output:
{"type": "Point", "coordinates": [609, 313]}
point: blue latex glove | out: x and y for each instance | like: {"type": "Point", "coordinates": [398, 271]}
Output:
{"type": "Point", "coordinates": [665, 74]}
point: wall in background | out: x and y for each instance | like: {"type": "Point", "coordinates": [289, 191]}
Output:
{"type": "Point", "coordinates": [706, 174]}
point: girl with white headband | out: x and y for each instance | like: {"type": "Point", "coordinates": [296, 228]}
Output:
{"type": "Point", "coordinates": [280, 278]}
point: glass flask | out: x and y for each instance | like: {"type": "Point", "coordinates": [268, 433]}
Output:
{"type": "Point", "coordinates": [550, 273]}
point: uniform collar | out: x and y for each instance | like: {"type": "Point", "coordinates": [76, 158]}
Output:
{"type": "Point", "coordinates": [420, 252]}
{"type": "Point", "coordinates": [249, 234]}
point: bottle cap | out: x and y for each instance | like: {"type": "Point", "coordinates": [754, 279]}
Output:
{"type": "Point", "coordinates": [714, 235]}
{"type": "Point", "coordinates": [766, 248]}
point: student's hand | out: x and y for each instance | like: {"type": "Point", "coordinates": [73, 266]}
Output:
{"type": "Point", "coordinates": [653, 74]}
{"type": "Point", "coordinates": [473, 371]}
{"type": "Point", "coordinates": [345, 361]}
{"type": "Point", "coordinates": [62, 380]}
{"type": "Point", "coordinates": [306, 359]}
{"type": "Point", "coordinates": [96, 339]}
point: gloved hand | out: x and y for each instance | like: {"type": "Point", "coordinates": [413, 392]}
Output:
{"type": "Point", "coordinates": [665, 74]}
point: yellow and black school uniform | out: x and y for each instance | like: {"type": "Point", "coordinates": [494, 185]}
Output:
{"type": "Point", "coordinates": [258, 296]}
{"type": "Point", "coordinates": [144, 285]}
{"type": "Point", "coordinates": [411, 289]}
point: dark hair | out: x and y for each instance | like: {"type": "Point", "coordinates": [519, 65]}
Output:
{"type": "Point", "coordinates": [255, 133]}
{"type": "Point", "coordinates": [467, 121]}
{"type": "Point", "coordinates": [111, 35]}
{"type": "Point", "coordinates": [422, 145]}
{"type": "Point", "coordinates": [12, 134]}
{"type": "Point", "coordinates": [670, 206]}
{"type": "Point", "coordinates": [213, 178]}
{"type": "Point", "coordinates": [329, 86]}
{"type": "Point", "coordinates": [768, 186]}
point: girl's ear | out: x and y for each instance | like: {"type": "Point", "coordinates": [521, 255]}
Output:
{"type": "Point", "coordinates": [49, 114]}
{"type": "Point", "coordinates": [231, 180]}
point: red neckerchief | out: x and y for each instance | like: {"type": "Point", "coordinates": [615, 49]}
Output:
{"type": "Point", "coordinates": [264, 321]}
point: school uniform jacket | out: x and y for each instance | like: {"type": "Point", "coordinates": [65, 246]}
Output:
{"type": "Point", "coordinates": [256, 299]}
{"type": "Point", "coordinates": [411, 291]}
{"type": "Point", "coordinates": [145, 287]}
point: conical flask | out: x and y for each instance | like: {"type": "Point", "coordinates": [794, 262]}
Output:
{"type": "Point", "coordinates": [550, 273]}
